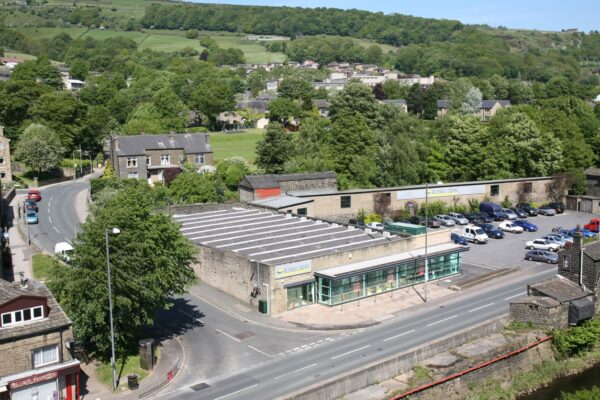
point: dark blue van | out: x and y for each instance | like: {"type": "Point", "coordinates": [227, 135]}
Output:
{"type": "Point", "coordinates": [493, 210]}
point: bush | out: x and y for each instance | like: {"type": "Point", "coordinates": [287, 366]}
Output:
{"type": "Point", "coordinates": [70, 163]}
{"type": "Point", "coordinates": [578, 339]}
{"type": "Point", "coordinates": [433, 208]}
{"type": "Point", "coordinates": [373, 218]}
{"type": "Point", "coordinates": [191, 34]}
{"type": "Point", "coordinates": [473, 205]}
{"type": "Point", "coordinates": [506, 203]}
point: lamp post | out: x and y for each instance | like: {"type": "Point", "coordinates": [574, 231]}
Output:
{"type": "Point", "coordinates": [87, 153]}
{"type": "Point", "coordinates": [114, 231]}
{"type": "Point", "coordinates": [426, 228]}
{"type": "Point", "coordinates": [74, 165]}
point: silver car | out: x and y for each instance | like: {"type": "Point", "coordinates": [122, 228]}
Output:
{"type": "Point", "coordinates": [555, 239]}
{"type": "Point", "coordinates": [510, 214]}
{"type": "Point", "coordinates": [458, 218]}
{"type": "Point", "coordinates": [445, 220]}
{"type": "Point", "coordinates": [547, 211]}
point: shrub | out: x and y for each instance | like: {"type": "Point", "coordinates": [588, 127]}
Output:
{"type": "Point", "coordinates": [373, 218]}
{"type": "Point", "coordinates": [473, 205]}
{"type": "Point", "coordinates": [434, 208]}
{"type": "Point", "coordinates": [577, 340]}
{"type": "Point", "coordinates": [506, 203]}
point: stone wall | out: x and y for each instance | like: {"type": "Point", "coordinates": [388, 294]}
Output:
{"type": "Point", "coordinates": [552, 317]}
{"type": "Point", "coordinates": [569, 266]}
{"type": "Point", "coordinates": [17, 355]}
{"type": "Point", "coordinates": [308, 184]}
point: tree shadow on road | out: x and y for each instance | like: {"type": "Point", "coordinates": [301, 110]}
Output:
{"type": "Point", "coordinates": [180, 318]}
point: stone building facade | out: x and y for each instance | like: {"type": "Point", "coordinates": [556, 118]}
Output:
{"type": "Point", "coordinates": [540, 310]}
{"type": "Point", "coordinates": [582, 258]}
{"type": "Point", "coordinates": [256, 187]}
{"type": "Point", "coordinates": [5, 160]}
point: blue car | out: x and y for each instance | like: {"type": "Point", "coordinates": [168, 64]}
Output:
{"type": "Point", "coordinates": [526, 225]}
{"type": "Point", "coordinates": [32, 217]}
{"type": "Point", "coordinates": [492, 231]}
{"type": "Point", "coordinates": [585, 232]}
{"type": "Point", "coordinates": [456, 238]}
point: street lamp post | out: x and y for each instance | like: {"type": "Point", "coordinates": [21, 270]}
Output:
{"type": "Point", "coordinates": [114, 231]}
{"type": "Point", "coordinates": [426, 228]}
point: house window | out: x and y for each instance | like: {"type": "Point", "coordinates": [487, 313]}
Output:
{"type": "Point", "coordinates": [2, 174]}
{"type": "Point", "coordinates": [132, 175]}
{"type": "Point", "coordinates": [148, 161]}
{"type": "Point", "coordinates": [21, 316]}
{"type": "Point", "coordinates": [495, 190]}
{"type": "Point", "coordinates": [131, 162]}
{"type": "Point", "coordinates": [45, 356]}
{"type": "Point", "coordinates": [199, 159]}
{"type": "Point", "coordinates": [1, 160]}
{"type": "Point", "coordinates": [345, 201]}
{"type": "Point", "coordinates": [528, 187]}
{"type": "Point", "coordinates": [302, 211]}
{"type": "Point", "coordinates": [165, 159]}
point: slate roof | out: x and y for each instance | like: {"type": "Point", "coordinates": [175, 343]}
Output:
{"type": "Point", "coordinates": [542, 301]}
{"type": "Point", "coordinates": [487, 104]}
{"type": "Point", "coordinates": [592, 171]}
{"type": "Point", "coordinates": [592, 250]}
{"type": "Point", "coordinates": [442, 104]}
{"type": "Point", "coordinates": [397, 102]}
{"type": "Point", "coordinates": [560, 289]}
{"type": "Point", "coordinates": [56, 317]}
{"type": "Point", "coordinates": [272, 180]}
{"type": "Point", "coordinates": [138, 144]}
{"type": "Point", "coordinates": [320, 103]}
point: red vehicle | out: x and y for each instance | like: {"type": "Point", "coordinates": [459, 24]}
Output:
{"type": "Point", "coordinates": [34, 194]}
{"type": "Point", "coordinates": [593, 225]}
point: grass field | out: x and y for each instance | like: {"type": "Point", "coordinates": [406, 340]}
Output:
{"type": "Point", "coordinates": [241, 144]}
{"type": "Point", "coordinates": [42, 265]}
{"type": "Point", "coordinates": [131, 366]}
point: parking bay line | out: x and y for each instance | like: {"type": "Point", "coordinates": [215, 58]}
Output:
{"type": "Point", "coordinates": [228, 335]}
{"type": "Point", "coordinates": [293, 372]}
{"type": "Point", "coordinates": [260, 351]}
{"type": "Point", "coordinates": [479, 308]}
{"type": "Point", "coordinates": [350, 352]}
{"type": "Point", "coordinates": [516, 295]}
{"type": "Point", "coordinates": [237, 391]}
{"type": "Point", "coordinates": [442, 320]}
{"type": "Point", "coordinates": [397, 336]}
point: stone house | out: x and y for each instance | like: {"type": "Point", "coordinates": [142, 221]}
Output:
{"type": "Point", "coordinates": [5, 162]}
{"type": "Point", "coordinates": [36, 342]}
{"type": "Point", "coordinates": [487, 109]}
{"type": "Point", "coordinates": [149, 156]}
{"type": "Point", "coordinates": [255, 187]}
{"type": "Point", "coordinates": [400, 103]}
{"type": "Point", "coordinates": [581, 264]}
{"type": "Point", "coordinates": [322, 106]}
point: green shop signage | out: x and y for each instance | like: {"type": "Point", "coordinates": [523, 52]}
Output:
{"type": "Point", "coordinates": [291, 269]}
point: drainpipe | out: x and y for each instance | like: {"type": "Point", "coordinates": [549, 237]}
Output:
{"type": "Point", "coordinates": [581, 285]}
{"type": "Point", "coordinates": [268, 299]}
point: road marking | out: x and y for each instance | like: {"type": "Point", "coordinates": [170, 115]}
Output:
{"type": "Point", "coordinates": [479, 308]}
{"type": "Point", "coordinates": [49, 217]}
{"type": "Point", "coordinates": [293, 372]}
{"type": "Point", "coordinates": [56, 229]}
{"type": "Point", "coordinates": [229, 336]}
{"type": "Point", "coordinates": [260, 351]}
{"type": "Point", "coordinates": [237, 391]}
{"type": "Point", "coordinates": [397, 336]}
{"type": "Point", "coordinates": [482, 266]}
{"type": "Point", "coordinates": [442, 320]}
{"type": "Point", "coordinates": [516, 295]}
{"type": "Point", "coordinates": [350, 352]}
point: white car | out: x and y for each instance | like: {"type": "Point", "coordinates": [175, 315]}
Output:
{"type": "Point", "coordinates": [375, 225]}
{"type": "Point", "coordinates": [555, 239]}
{"type": "Point", "coordinates": [510, 214]}
{"type": "Point", "coordinates": [458, 218]}
{"type": "Point", "coordinates": [445, 220]}
{"type": "Point", "coordinates": [474, 233]}
{"type": "Point", "coordinates": [508, 226]}
{"type": "Point", "coordinates": [541, 244]}
{"type": "Point", "coordinates": [63, 251]}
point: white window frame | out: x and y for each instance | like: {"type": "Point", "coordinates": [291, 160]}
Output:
{"type": "Point", "coordinates": [21, 314]}
{"type": "Point", "coordinates": [199, 159]}
{"type": "Point", "coordinates": [165, 159]}
{"type": "Point", "coordinates": [132, 175]}
{"type": "Point", "coordinates": [132, 162]}
{"type": "Point", "coordinates": [51, 352]}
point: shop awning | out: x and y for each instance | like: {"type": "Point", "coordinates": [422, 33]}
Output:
{"type": "Point", "coordinates": [377, 263]}
{"type": "Point", "coordinates": [299, 283]}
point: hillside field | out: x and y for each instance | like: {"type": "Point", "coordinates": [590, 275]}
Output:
{"type": "Point", "coordinates": [242, 144]}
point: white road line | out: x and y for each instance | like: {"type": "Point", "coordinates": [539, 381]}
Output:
{"type": "Point", "coordinates": [479, 308]}
{"type": "Point", "coordinates": [442, 320]}
{"type": "Point", "coordinates": [260, 351]}
{"type": "Point", "coordinates": [481, 266]}
{"type": "Point", "coordinates": [293, 372]}
{"type": "Point", "coordinates": [237, 391]}
{"type": "Point", "coordinates": [229, 336]}
{"type": "Point", "coordinates": [56, 229]}
{"type": "Point", "coordinates": [397, 336]}
{"type": "Point", "coordinates": [350, 352]}
{"type": "Point", "coordinates": [49, 217]}
{"type": "Point", "coordinates": [516, 295]}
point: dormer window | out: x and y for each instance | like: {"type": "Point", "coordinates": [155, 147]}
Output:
{"type": "Point", "coordinates": [21, 316]}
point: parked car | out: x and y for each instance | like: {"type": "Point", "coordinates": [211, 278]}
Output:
{"type": "Point", "coordinates": [542, 255]}
{"type": "Point", "coordinates": [473, 217]}
{"type": "Point", "coordinates": [458, 239]}
{"type": "Point", "coordinates": [526, 225]}
{"type": "Point", "coordinates": [445, 220]}
{"type": "Point", "coordinates": [562, 235]}
{"type": "Point", "coordinates": [547, 210]}
{"type": "Point", "coordinates": [458, 218]}
{"type": "Point", "coordinates": [510, 214]}
{"type": "Point", "coordinates": [541, 244]}
{"type": "Point", "coordinates": [31, 217]}
{"type": "Point", "coordinates": [474, 233]}
{"type": "Point", "coordinates": [492, 231]}
{"type": "Point", "coordinates": [34, 194]}
{"type": "Point", "coordinates": [585, 232]}
{"type": "Point", "coordinates": [520, 212]}
{"type": "Point", "coordinates": [31, 203]}
{"type": "Point", "coordinates": [63, 250]}
{"type": "Point", "coordinates": [375, 225]}
{"type": "Point", "coordinates": [558, 206]}
{"type": "Point", "coordinates": [510, 226]}
{"type": "Point", "coordinates": [555, 239]}
{"type": "Point", "coordinates": [593, 225]}
{"type": "Point", "coordinates": [493, 210]}
{"type": "Point", "coordinates": [528, 208]}
{"type": "Point", "coordinates": [432, 222]}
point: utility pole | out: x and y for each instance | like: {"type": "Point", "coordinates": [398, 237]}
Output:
{"type": "Point", "coordinates": [426, 229]}
{"type": "Point", "coordinates": [114, 231]}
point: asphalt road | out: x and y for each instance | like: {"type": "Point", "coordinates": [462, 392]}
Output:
{"type": "Point", "coordinates": [58, 221]}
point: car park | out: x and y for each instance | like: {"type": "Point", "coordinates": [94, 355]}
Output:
{"type": "Point", "coordinates": [547, 210]}
{"type": "Point", "coordinates": [474, 233]}
{"type": "Point", "coordinates": [458, 218]}
{"type": "Point", "coordinates": [541, 244]}
{"type": "Point", "coordinates": [554, 239]}
{"type": "Point", "coordinates": [558, 206]}
{"type": "Point", "coordinates": [458, 239]}
{"type": "Point", "coordinates": [492, 231]}
{"type": "Point", "coordinates": [31, 217]}
{"type": "Point", "coordinates": [520, 212]}
{"type": "Point", "coordinates": [445, 220]}
{"type": "Point", "coordinates": [526, 225]}
{"type": "Point", "coordinates": [542, 255]}
{"type": "Point", "coordinates": [31, 203]}
{"type": "Point", "coordinates": [34, 194]}
{"type": "Point", "coordinates": [528, 208]}
{"type": "Point", "coordinates": [510, 226]}
{"type": "Point", "coordinates": [510, 214]}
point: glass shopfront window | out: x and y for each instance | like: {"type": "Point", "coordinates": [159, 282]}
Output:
{"type": "Point", "coordinates": [298, 296]}
{"type": "Point", "coordinates": [337, 291]}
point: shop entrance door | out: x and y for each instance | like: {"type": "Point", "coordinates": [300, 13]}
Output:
{"type": "Point", "coordinates": [298, 296]}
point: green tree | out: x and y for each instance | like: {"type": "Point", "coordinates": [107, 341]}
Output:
{"type": "Point", "coordinates": [191, 34]}
{"type": "Point", "coordinates": [80, 69]}
{"type": "Point", "coordinates": [357, 98]}
{"type": "Point", "coordinates": [109, 171]}
{"type": "Point", "coordinates": [296, 88]}
{"type": "Point", "coordinates": [150, 262]}
{"type": "Point", "coordinates": [232, 170]}
{"type": "Point", "coordinates": [274, 149]}
{"type": "Point", "coordinates": [194, 187]}
{"type": "Point", "coordinates": [282, 110]}
{"type": "Point", "coordinates": [209, 43]}
{"type": "Point", "coordinates": [464, 98]}
{"type": "Point", "coordinates": [373, 54]}
{"type": "Point", "coordinates": [39, 148]}
{"type": "Point", "coordinates": [212, 98]}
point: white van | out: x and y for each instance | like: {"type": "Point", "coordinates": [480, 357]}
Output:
{"type": "Point", "coordinates": [475, 234]}
{"type": "Point", "coordinates": [63, 251]}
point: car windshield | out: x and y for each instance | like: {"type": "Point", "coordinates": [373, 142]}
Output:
{"type": "Point", "coordinates": [30, 215]}
{"type": "Point", "coordinates": [478, 231]}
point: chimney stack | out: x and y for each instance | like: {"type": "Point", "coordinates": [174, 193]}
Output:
{"type": "Point", "coordinates": [578, 238]}
{"type": "Point", "coordinates": [23, 279]}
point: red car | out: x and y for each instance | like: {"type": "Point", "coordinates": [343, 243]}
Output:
{"type": "Point", "coordinates": [35, 195]}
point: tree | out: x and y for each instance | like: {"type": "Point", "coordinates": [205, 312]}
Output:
{"type": "Point", "coordinates": [296, 88]}
{"type": "Point", "coordinates": [373, 54]}
{"type": "Point", "coordinates": [191, 34]}
{"type": "Point", "coordinates": [356, 98]}
{"type": "Point", "coordinates": [558, 187]}
{"type": "Point", "coordinates": [193, 187]}
{"type": "Point", "coordinates": [39, 148]}
{"type": "Point", "coordinates": [212, 98]}
{"type": "Point", "coordinates": [464, 98]}
{"type": "Point", "coordinates": [109, 171]}
{"type": "Point", "coordinates": [150, 262]}
{"type": "Point", "coordinates": [274, 149]}
{"type": "Point", "coordinates": [232, 170]}
{"type": "Point", "coordinates": [79, 69]}
{"type": "Point", "coordinates": [282, 110]}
